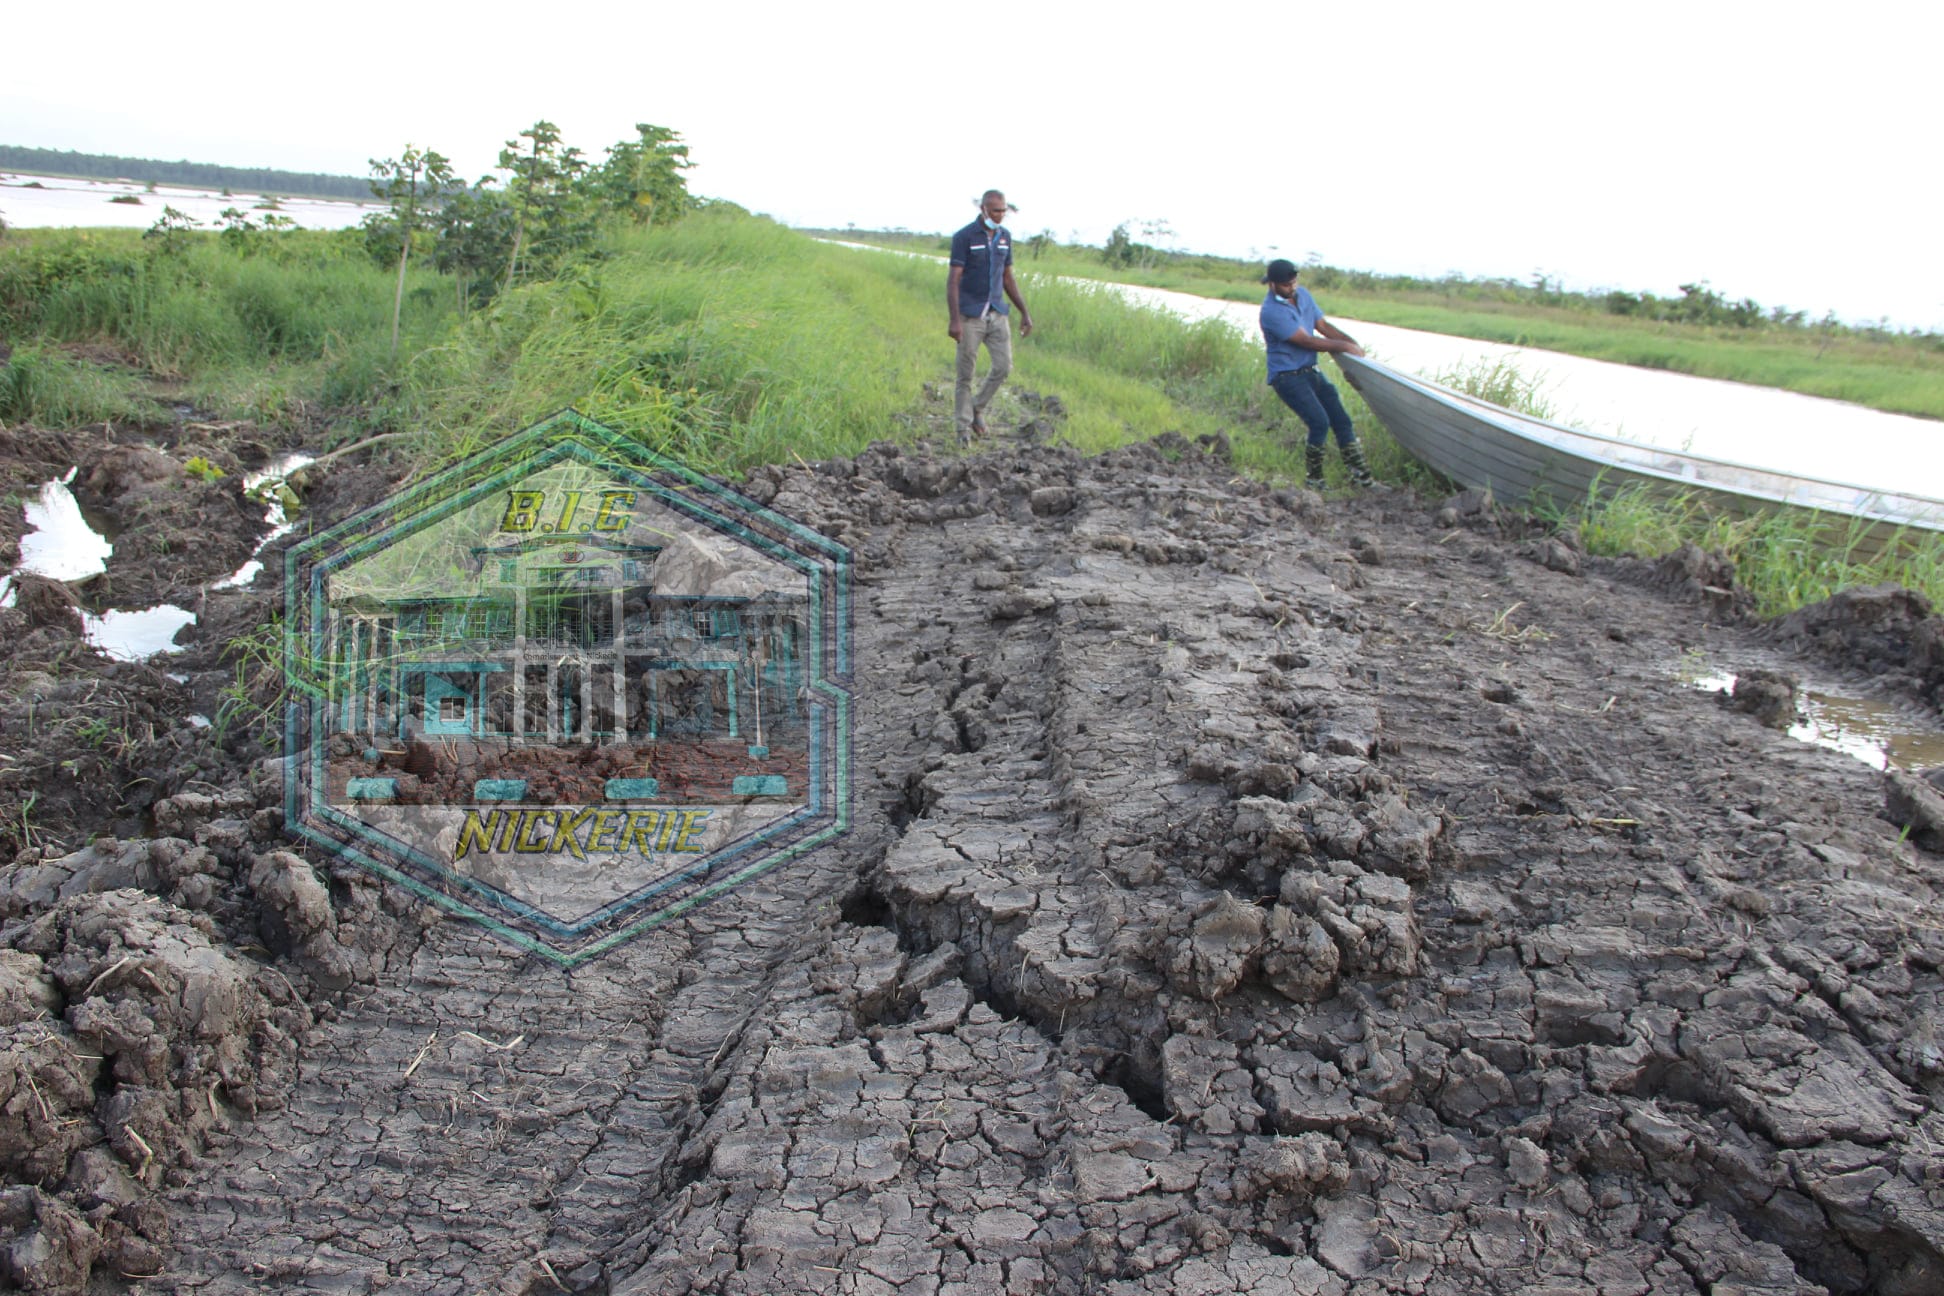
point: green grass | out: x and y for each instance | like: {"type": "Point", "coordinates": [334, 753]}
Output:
{"type": "Point", "coordinates": [1502, 383]}
{"type": "Point", "coordinates": [39, 384]}
{"type": "Point", "coordinates": [303, 322]}
{"type": "Point", "coordinates": [1785, 560]}
{"type": "Point", "coordinates": [1895, 377]}
{"type": "Point", "coordinates": [728, 341]}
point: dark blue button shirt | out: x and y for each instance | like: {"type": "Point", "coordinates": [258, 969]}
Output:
{"type": "Point", "coordinates": [984, 254]}
{"type": "Point", "coordinates": [1282, 318]}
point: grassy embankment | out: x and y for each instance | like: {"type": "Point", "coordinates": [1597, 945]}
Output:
{"type": "Point", "coordinates": [1898, 373]}
{"type": "Point", "coordinates": [725, 341]}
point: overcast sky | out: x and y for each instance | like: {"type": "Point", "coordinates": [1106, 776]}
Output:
{"type": "Point", "coordinates": [1781, 151]}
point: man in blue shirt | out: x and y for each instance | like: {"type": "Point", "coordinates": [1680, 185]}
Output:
{"type": "Point", "coordinates": [1297, 335]}
{"type": "Point", "coordinates": [976, 289]}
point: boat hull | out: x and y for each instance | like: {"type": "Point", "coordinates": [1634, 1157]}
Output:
{"type": "Point", "coordinates": [1523, 460]}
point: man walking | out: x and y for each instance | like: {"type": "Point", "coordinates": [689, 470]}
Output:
{"type": "Point", "coordinates": [976, 291]}
{"type": "Point", "coordinates": [1297, 334]}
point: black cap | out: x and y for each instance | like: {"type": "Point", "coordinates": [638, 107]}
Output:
{"type": "Point", "coordinates": [1279, 271]}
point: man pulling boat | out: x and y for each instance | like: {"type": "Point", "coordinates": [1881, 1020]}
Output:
{"type": "Point", "coordinates": [1297, 335]}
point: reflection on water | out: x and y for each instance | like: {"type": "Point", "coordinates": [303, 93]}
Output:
{"type": "Point", "coordinates": [60, 544]}
{"type": "Point", "coordinates": [266, 486]}
{"type": "Point", "coordinates": [1880, 736]}
{"type": "Point", "coordinates": [1858, 727]}
{"type": "Point", "coordinates": [137, 636]}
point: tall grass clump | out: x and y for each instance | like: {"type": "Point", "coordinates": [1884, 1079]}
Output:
{"type": "Point", "coordinates": [1499, 382]}
{"type": "Point", "coordinates": [40, 385]}
{"type": "Point", "coordinates": [723, 340]}
{"type": "Point", "coordinates": [1786, 560]}
{"type": "Point", "coordinates": [291, 318]}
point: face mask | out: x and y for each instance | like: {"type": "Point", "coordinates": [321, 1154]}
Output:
{"type": "Point", "coordinates": [990, 223]}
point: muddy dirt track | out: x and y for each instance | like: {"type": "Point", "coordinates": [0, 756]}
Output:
{"type": "Point", "coordinates": [1249, 893]}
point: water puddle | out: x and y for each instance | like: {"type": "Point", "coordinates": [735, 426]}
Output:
{"type": "Point", "coordinates": [268, 486]}
{"type": "Point", "coordinates": [59, 543]}
{"type": "Point", "coordinates": [1879, 735]}
{"type": "Point", "coordinates": [137, 636]}
{"type": "Point", "coordinates": [62, 545]}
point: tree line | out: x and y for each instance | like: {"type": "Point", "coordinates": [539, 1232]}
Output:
{"type": "Point", "coordinates": [1698, 303]}
{"type": "Point", "coordinates": [194, 175]}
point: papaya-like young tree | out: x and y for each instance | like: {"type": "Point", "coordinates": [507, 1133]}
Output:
{"type": "Point", "coordinates": [412, 185]}
{"type": "Point", "coordinates": [550, 215]}
{"type": "Point", "coordinates": [475, 235]}
{"type": "Point", "coordinates": [643, 176]}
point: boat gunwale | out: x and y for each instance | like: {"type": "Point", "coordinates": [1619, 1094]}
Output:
{"type": "Point", "coordinates": [1508, 421]}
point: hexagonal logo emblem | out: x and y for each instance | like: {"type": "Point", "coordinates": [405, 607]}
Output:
{"type": "Point", "coordinates": [568, 689]}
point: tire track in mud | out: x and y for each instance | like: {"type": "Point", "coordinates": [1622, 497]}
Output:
{"type": "Point", "coordinates": [1490, 1110]}
{"type": "Point", "coordinates": [1246, 895]}
{"type": "Point", "coordinates": [1668, 877]}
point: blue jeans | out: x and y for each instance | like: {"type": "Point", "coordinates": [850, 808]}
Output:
{"type": "Point", "coordinates": [1316, 402]}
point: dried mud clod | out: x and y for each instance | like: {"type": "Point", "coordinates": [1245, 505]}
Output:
{"type": "Point", "coordinates": [1769, 696]}
{"type": "Point", "coordinates": [132, 1043]}
{"type": "Point", "coordinates": [1916, 804]}
{"type": "Point", "coordinates": [1883, 630]}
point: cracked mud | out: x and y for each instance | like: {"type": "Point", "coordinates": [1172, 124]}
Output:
{"type": "Point", "coordinates": [1248, 894]}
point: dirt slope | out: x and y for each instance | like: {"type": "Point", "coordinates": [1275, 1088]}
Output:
{"type": "Point", "coordinates": [1249, 894]}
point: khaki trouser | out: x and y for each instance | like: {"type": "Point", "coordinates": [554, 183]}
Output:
{"type": "Point", "coordinates": [992, 329]}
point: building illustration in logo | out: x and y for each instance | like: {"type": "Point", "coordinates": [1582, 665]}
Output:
{"type": "Point", "coordinates": [569, 688]}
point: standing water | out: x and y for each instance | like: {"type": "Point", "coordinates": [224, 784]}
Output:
{"type": "Point", "coordinates": [61, 545]}
{"type": "Point", "coordinates": [45, 202]}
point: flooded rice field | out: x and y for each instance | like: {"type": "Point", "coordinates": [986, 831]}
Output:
{"type": "Point", "coordinates": [50, 202]}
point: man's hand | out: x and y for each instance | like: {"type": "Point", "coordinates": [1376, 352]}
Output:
{"type": "Point", "coordinates": [1352, 349]}
{"type": "Point", "coordinates": [1025, 325]}
{"type": "Point", "coordinates": [955, 330]}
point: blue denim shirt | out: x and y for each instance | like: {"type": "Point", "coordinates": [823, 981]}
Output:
{"type": "Point", "coordinates": [984, 254]}
{"type": "Point", "coordinates": [1280, 319]}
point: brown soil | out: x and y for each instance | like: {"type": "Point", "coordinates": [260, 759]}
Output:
{"type": "Point", "coordinates": [1248, 893]}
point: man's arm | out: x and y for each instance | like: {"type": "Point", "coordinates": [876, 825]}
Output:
{"type": "Point", "coordinates": [1012, 294]}
{"type": "Point", "coordinates": [952, 325]}
{"type": "Point", "coordinates": [1333, 339]}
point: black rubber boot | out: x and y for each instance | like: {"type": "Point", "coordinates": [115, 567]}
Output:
{"type": "Point", "coordinates": [1353, 460]}
{"type": "Point", "coordinates": [1313, 457]}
